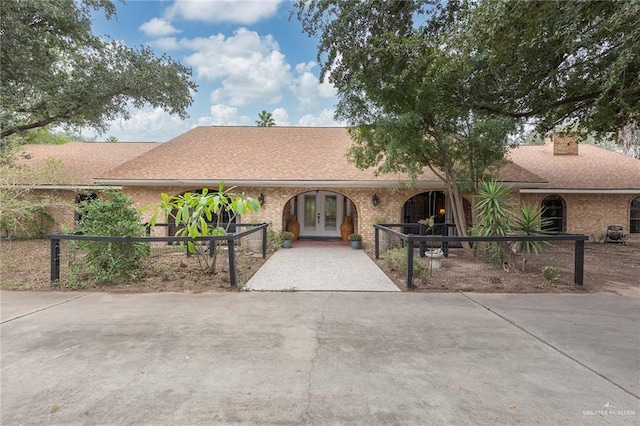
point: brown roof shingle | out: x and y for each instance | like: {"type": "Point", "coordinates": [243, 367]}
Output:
{"type": "Point", "coordinates": [86, 160]}
{"type": "Point", "coordinates": [265, 154]}
{"type": "Point", "coordinates": [593, 168]}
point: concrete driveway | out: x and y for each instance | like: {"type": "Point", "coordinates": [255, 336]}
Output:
{"type": "Point", "coordinates": [319, 358]}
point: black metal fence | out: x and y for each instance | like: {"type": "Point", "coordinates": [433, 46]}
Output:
{"type": "Point", "coordinates": [423, 240]}
{"type": "Point", "coordinates": [231, 240]}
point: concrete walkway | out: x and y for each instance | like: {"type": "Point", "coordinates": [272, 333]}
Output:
{"type": "Point", "coordinates": [320, 268]}
{"type": "Point", "coordinates": [319, 358]}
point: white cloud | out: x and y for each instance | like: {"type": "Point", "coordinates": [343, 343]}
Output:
{"type": "Point", "coordinates": [324, 119]}
{"type": "Point", "coordinates": [167, 43]}
{"type": "Point", "coordinates": [158, 27]}
{"type": "Point", "coordinates": [224, 115]}
{"type": "Point", "coordinates": [281, 117]}
{"type": "Point", "coordinates": [144, 126]}
{"type": "Point", "coordinates": [252, 68]}
{"type": "Point", "coordinates": [216, 11]}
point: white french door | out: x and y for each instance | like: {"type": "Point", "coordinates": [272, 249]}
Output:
{"type": "Point", "coordinates": [320, 213]}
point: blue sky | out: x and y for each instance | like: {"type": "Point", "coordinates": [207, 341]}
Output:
{"type": "Point", "coordinates": [246, 56]}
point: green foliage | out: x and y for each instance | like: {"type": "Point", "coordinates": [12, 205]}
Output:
{"type": "Point", "coordinates": [528, 222]}
{"type": "Point", "coordinates": [396, 259]}
{"type": "Point", "coordinates": [493, 211]}
{"type": "Point", "coordinates": [550, 274]}
{"type": "Point", "coordinates": [24, 210]}
{"type": "Point", "coordinates": [112, 216]}
{"type": "Point", "coordinates": [201, 214]}
{"type": "Point", "coordinates": [497, 219]}
{"type": "Point", "coordinates": [398, 88]}
{"type": "Point", "coordinates": [265, 119]}
{"type": "Point", "coordinates": [55, 71]}
{"type": "Point", "coordinates": [354, 237]}
{"type": "Point", "coordinates": [443, 84]}
{"type": "Point", "coordinates": [286, 236]}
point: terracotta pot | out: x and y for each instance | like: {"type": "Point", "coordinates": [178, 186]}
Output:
{"type": "Point", "coordinates": [346, 228]}
{"type": "Point", "coordinates": [294, 227]}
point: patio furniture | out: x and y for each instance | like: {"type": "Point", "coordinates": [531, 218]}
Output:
{"type": "Point", "coordinates": [615, 234]}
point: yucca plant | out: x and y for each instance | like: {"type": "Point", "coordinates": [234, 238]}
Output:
{"type": "Point", "coordinates": [529, 222]}
{"type": "Point", "coordinates": [493, 210]}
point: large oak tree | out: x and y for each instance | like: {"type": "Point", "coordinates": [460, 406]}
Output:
{"type": "Point", "coordinates": [442, 84]}
{"type": "Point", "coordinates": [55, 71]}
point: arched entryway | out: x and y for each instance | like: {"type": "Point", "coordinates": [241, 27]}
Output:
{"type": "Point", "coordinates": [320, 213]}
{"type": "Point", "coordinates": [555, 212]}
{"type": "Point", "coordinates": [425, 205]}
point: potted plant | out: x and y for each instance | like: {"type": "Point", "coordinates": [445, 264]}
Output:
{"type": "Point", "coordinates": [356, 241]}
{"type": "Point", "coordinates": [286, 238]}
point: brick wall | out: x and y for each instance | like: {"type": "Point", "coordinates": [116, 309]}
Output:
{"type": "Point", "coordinates": [590, 214]}
{"type": "Point", "coordinates": [389, 207]}
{"type": "Point", "coordinates": [563, 143]}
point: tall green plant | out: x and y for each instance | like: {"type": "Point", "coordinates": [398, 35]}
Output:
{"type": "Point", "coordinates": [201, 214]}
{"type": "Point", "coordinates": [529, 222]}
{"type": "Point", "coordinates": [493, 211]}
{"type": "Point", "coordinates": [112, 216]}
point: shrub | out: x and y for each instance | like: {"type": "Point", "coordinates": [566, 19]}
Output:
{"type": "Point", "coordinates": [112, 216]}
{"type": "Point", "coordinates": [354, 237]}
{"type": "Point", "coordinates": [396, 258]}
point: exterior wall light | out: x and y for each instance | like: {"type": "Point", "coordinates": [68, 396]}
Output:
{"type": "Point", "coordinates": [261, 198]}
{"type": "Point", "coordinates": [375, 200]}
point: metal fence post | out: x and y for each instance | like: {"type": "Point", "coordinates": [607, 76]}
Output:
{"type": "Point", "coordinates": [423, 243]}
{"type": "Point", "coordinates": [578, 269]}
{"type": "Point", "coordinates": [232, 262]}
{"type": "Point", "coordinates": [445, 244]}
{"type": "Point", "coordinates": [377, 242]}
{"type": "Point", "coordinates": [410, 263]}
{"type": "Point", "coordinates": [55, 261]}
{"type": "Point", "coordinates": [264, 242]}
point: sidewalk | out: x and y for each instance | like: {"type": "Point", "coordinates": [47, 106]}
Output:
{"type": "Point", "coordinates": [320, 268]}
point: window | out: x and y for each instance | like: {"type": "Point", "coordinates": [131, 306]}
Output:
{"type": "Point", "coordinates": [555, 212]}
{"type": "Point", "coordinates": [634, 216]}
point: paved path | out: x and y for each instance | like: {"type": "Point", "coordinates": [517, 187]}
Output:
{"type": "Point", "coordinates": [320, 268]}
{"type": "Point", "coordinates": [319, 358]}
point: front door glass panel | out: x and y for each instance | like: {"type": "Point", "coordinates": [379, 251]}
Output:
{"type": "Point", "coordinates": [310, 211]}
{"type": "Point", "coordinates": [330, 213]}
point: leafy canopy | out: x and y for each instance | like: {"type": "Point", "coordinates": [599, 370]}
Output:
{"type": "Point", "coordinates": [56, 71]}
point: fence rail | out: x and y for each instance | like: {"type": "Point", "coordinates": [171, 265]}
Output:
{"type": "Point", "coordinates": [230, 238]}
{"type": "Point", "coordinates": [412, 239]}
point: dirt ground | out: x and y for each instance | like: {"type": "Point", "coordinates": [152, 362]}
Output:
{"type": "Point", "coordinates": [24, 265]}
{"type": "Point", "coordinates": [611, 268]}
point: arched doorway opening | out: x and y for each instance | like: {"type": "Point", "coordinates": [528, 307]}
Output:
{"type": "Point", "coordinates": [555, 212]}
{"type": "Point", "coordinates": [424, 206]}
{"type": "Point", "coordinates": [320, 213]}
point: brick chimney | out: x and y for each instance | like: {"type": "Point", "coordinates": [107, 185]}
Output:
{"type": "Point", "coordinates": [563, 143]}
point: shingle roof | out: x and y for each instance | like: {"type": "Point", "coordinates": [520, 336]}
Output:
{"type": "Point", "coordinates": [86, 160]}
{"type": "Point", "coordinates": [593, 168]}
{"type": "Point", "coordinates": [263, 154]}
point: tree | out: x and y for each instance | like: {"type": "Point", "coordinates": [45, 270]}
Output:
{"type": "Point", "coordinates": [397, 88]}
{"type": "Point", "coordinates": [442, 84]}
{"type": "Point", "coordinates": [557, 62]}
{"type": "Point", "coordinates": [265, 119]}
{"type": "Point", "coordinates": [24, 210]}
{"type": "Point", "coordinates": [56, 72]}
{"type": "Point", "coordinates": [201, 214]}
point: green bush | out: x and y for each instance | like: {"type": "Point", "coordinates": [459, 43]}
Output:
{"type": "Point", "coordinates": [396, 258]}
{"type": "Point", "coordinates": [112, 216]}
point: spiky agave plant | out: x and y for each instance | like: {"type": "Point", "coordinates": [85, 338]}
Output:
{"type": "Point", "coordinates": [529, 222]}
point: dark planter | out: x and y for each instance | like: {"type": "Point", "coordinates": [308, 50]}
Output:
{"type": "Point", "coordinates": [286, 244]}
{"type": "Point", "coordinates": [356, 245]}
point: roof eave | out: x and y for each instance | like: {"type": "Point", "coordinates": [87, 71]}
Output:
{"type": "Point", "coordinates": [579, 190]}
